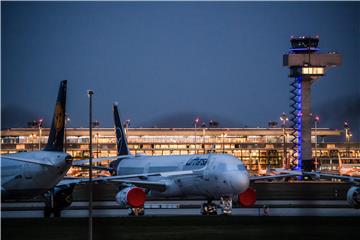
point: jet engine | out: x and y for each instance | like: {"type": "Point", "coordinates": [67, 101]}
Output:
{"type": "Point", "coordinates": [353, 197]}
{"type": "Point", "coordinates": [63, 197]}
{"type": "Point", "coordinates": [131, 196]}
{"type": "Point", "coordinates": [247, 198]}
{"type": "Point", "coordinates": [58, 199]}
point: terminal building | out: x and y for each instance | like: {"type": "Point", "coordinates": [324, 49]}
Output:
{"type": "Point", "coordinates": [256, 147]}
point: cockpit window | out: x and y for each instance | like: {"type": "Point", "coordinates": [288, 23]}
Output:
{"type": "Point", "coordinates": [241, 167]}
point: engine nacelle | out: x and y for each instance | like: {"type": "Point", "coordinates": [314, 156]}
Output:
{"type": "Point", "coordinates": [353, 197]}
{"type": "Point", "coordinates": [62, 197]}
{"type": "Point", "coordinates": [131, 196]}
{"type": "Point", "coordinates": [247, 198]}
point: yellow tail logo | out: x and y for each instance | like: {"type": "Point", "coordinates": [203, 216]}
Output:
{"type": "Point", "coordinates": [58, 118]}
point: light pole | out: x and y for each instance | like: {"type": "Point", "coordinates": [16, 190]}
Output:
{"type": "Point", "coordinates": [204, 127]}
{"type": "Point", "coordinates": [316, 120]}
{"type": "Point", "coordinates": [223, 142]}
{"type": "Point", "coordinates": [67, 120]}
{"type": "Point", "coordinates": [32, 141]}
{"type": "Point", "coordinates": [127, 124]}
{"type": "Point", "coordinates": [96, 125]}
{"type": "Point", "coordinates": [97, 135]}
{"type": "Point", "coordinates": [90, 93]}
{"type": "Point", "coordinates": [347, 137]}
{"type": "Point", "coordinates": [284, 119]}
{"type": "Point", "coordinates": [196, 121]}
{"type": "Point", "coordinates": [39, 122]}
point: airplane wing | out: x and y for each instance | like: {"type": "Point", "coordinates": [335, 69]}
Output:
{"type": "Point", "coordinates": [130, 179]}
{"type": "Point", "coordinates": [329, 175]}
{"type": "Point", "coordinates": [37, 161]}
{"type": "Point", "coordinates": [255, 178]}
{"type": "Point", "coordinates": [82, 162]}
{"type": "Point", "coordinates": [101, 168]}
{"type": "Point", "coordinates": [146, 175]}
{"type": "Point", "coordinates": [161, 187]}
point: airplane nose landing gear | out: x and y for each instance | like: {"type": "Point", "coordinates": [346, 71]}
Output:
{"type": "Point", "coordinates": [136, 211]}
{"type": "Point", "coordinates": [226, 205]}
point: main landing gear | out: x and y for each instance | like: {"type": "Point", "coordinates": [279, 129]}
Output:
{"type": "Point", "coordinates": [57, 199]}
{"type": "Point", "coordinates": [226, 205]}
{"type": "Point", "coordinates": [50, 205]}
{"type": "Point", "coordinates": [209, 208]}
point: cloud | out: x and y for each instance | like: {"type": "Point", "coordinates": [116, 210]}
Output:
{"type": "Point", "coordinates": [345, 108]}
{"type": "Point", "coordinates": [14, 116]}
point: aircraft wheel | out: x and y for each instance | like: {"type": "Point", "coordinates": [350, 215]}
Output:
{"type": "Point", "coordinates": [226, 205]}
{"type": "Point", "coordinates": [209, 209]}
{"type": "Point", "coordinates": [138, 211]}
{"type": "Point", "coordinates": [57, 212]}
{"type": "Point", "coordinates": [47, 211]}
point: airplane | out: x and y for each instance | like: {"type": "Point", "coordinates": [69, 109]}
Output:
{"type": "Point", "coordinates": [347, 174]}
{"type": "Point", "coordinates": [348, 171]}
{"type": "Point", "coordinates": [25, 175]}
{"type": "Point", "coordinates": [266, 172]}
{"type": "Point", "coordinates": [207, 176]}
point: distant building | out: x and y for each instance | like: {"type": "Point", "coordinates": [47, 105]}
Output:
{"type": "Point", "coordinates": [248, 144]}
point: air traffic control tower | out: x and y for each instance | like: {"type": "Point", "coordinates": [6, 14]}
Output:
{"type": "Point", "coordinates": [306, 65]}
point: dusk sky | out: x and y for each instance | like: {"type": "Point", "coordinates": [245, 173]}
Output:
{"type": "Point", "coordinates": [166, 63]}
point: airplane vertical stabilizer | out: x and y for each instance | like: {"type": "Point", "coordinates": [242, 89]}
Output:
{"type": "Point", "coordinates": [121, 143]}
{"type": "Point", "coordinates": [56, 135]}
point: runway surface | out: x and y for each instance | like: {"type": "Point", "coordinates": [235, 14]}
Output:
{"type": "Point", "coordinates": [190, 212]}
{"type": "Point", "coordinates": [183, 227]}
{"type": "Point", "coordinates": [185, 208]}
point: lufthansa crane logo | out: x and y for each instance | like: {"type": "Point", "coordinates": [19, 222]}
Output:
{"type": "Point", "coordinates": [58, 118]}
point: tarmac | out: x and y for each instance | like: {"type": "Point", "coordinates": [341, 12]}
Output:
{"type": "Point", "coordinates": [183, 227]}
{"type": "Point", "coordinates": [186, 208]}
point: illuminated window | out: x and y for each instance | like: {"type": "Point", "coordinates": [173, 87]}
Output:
{"type": "Point", "coordinates": [313, 71]}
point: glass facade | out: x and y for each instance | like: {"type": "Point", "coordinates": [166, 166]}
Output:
{"type": "Point", "coordinates": [265, 145]}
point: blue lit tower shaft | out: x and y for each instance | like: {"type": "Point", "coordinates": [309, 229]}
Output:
{"type": "Point", "coordinates": [295, 120]}
{"type": "Point", "coordinates": [305, 121]}
{"type": "Point", "coordinates": [306, 64]}
{"type": "Point", "coordinates": [300, 119]}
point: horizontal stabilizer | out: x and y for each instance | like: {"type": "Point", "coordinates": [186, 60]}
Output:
{"type": "Point", "coordinates": [130, 179]}
{"type": "Point", "coordinates": [96, 160]}
{"type": "Point", "coordinates": [161, 187]}
{"type": "Point", "coordinates": [101, 168]}
{"type": "Point", "coordinates": [329, 176]}
{"type": "Point", "coordinates": [36, 161]}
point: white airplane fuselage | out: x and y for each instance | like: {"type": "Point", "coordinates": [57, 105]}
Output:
{"type": "Point", "coordinates": [21, 179]}
{"type": "Point", "coordinates": [216, 175]}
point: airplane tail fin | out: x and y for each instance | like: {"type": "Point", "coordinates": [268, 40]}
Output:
{"type": "Point", "coordinates": [121, 143]}
{"type": "Point", "coordinates": [259, 166]}
{"type": "Point", "coordinates": [56, 135]}
{"type": "Point", "coordinates": [340, 161]}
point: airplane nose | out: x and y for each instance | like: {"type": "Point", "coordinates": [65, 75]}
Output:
{"type": "Point", "coordinates": [239, 182]}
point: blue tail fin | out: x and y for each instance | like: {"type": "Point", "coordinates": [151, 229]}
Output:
{"type": "Point", "coordinates": [56, 135]}
{"type": "Point", "coordinates": [121, 143]}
